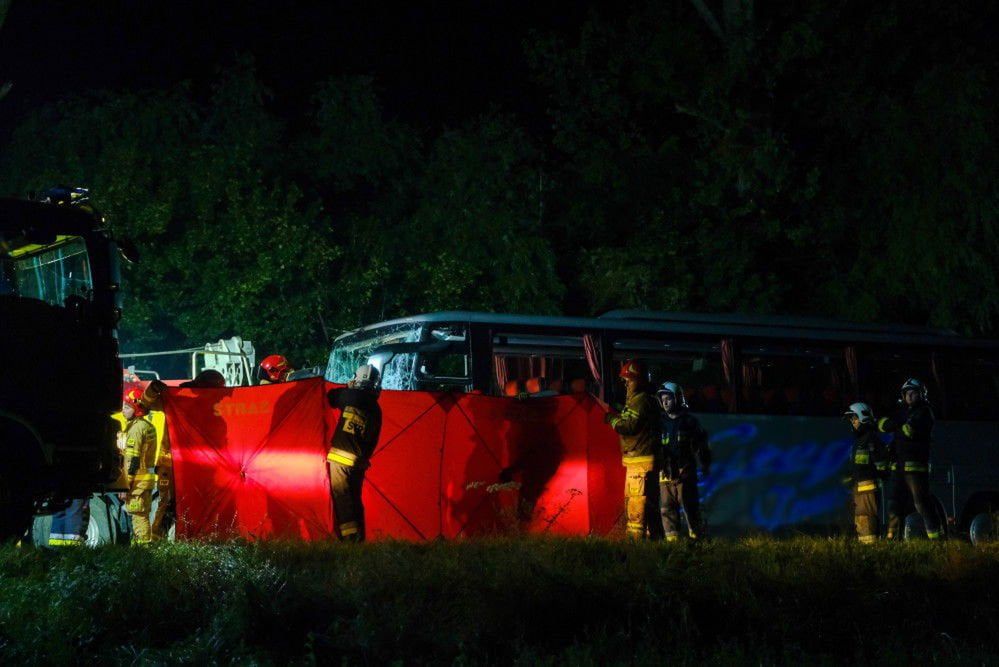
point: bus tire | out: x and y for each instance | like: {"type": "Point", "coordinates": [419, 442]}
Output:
{"type": "Point", "coordinates": [20, 465]}
{"type": "Point", "coordinates": [982, 528]}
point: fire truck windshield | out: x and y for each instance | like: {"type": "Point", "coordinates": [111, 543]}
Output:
{"type": "Point", "coordinates": [52, 273]}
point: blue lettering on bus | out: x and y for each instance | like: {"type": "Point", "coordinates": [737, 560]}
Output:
{"type": "Point", "coordinates": [786, 483]}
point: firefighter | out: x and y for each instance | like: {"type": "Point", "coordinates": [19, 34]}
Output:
{"type": "Point", "coordinates": [353, 443]}
{"type": "Point", "coordinates": [140, 463]}
{"type": "Point", "coordinates": [274, 369]}
{"type": "Point", "coordinates": [638, 427]}
{"type": "Point", "coordinates": [69, 525]}
{"type": "Point", "coordinates": [684, 450]}
{"type": "Point", "coordinates": [911, 429]}
{"type": "Point", "coordinates": [870, 464]}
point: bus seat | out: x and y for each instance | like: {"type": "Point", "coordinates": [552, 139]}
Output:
{"type": "Point", "coordinates": [534, 385]}
{"type": "Point", "coordinates": [577, 386]}
{"type": "Point", "coordinates": [511, 388]}
{"type": "Point", "coordinates": [556, 386]}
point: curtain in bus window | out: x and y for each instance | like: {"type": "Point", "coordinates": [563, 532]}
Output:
{"type": "Point", "coordinates": [850, 354]}
{"type": "Point", "coordinates": [592, 357]}
{"type": "Point", "coordinates": [728, 360]}
{"type": "Point", "coordinates": [499, 366]}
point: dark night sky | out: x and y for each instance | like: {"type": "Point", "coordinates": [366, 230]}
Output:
{"type": "Point", "coordinates": [434, 62]}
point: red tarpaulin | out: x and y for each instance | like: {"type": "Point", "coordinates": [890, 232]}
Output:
{"type": "Point", "coordinates": [251, 462]}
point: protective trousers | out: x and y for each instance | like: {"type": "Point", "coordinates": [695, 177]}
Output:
{"type": "Point", "coordinates": [865, 511]}
{"type": "Point", "coordinates": [69, 526]}
{"type": "Point", "coordinates": [911, 489]}
{"type": "Point", "coordinates": [165, 514]}
{"type": "Point", "coordinates": [641, 497]}
{"type": "Point", "coordinates": [346, 482]}
{"type": "Point", "coordinates": [138, 505]}
{"type": "Point", "coordinates": [676, 494]}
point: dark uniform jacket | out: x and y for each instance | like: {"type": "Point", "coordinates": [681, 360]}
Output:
{"type": "Point", "coordinates": [360, 422]}
{"type": "Point", "coordinates": [684, 445]}
{"type": "Point", "coordinates": [638, 426]}
{"type": "Point", "coordinates": [912, 428]}
{"type": "Point", "coordinates": [870, 456]}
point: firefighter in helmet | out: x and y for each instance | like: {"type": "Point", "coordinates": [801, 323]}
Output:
{"type": "Point", "coordinates": [637, 425]}
{"type": "Point", "coordinates": [274, 369]}
{"type": "Point", "coordinates": [870, 464]}
{"type": "Point", "coordinates": [140, 463]}
{"type": "Point", "coordinates": [684, 449]}
{"type": "Point", "coordinates": [912, 429]}
{"type": "Point", "coordinates": [152, 400]}
{"type": "Point", "coordinates": [353, 443]}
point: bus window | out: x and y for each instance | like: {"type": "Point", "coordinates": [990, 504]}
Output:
{"type": "Point", "coordinates": [444, 359]}
{"type": "Point", "coordinates": [972, 385]}
{"type": "Point", "coordinates": [694, 365]}
{"type": "Point", "coordinates": [539, 365]}
{"type": "Point", "coordinates": [883, 371]}
{"type": "Point", "coordinates": [780, 379]}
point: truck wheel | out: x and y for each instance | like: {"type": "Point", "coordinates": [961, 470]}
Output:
{"type": "Point", "coordinates": [16, 506]}
{"type": "Point", "coordinates": [102, 529]}
{"type": "Point", "coordinates": [982, 529]}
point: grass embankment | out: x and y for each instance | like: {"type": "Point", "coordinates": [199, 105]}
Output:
{"type": "Point", "coordinates": [579, 601]}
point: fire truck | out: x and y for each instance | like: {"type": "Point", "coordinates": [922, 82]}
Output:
{"type": "Point", "coordinates": [62, 376]}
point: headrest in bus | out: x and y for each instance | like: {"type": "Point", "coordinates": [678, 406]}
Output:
{"type": "Point", "coordinates": [511, 388]}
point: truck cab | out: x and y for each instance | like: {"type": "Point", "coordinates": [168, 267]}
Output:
{"type": "Point", "coordinates": [61, 377]}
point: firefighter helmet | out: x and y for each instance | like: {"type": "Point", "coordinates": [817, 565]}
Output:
{"type": "Point", "coordinates": [273, 368]}
{"type": "Point", "coordinates": [133, 397]}
{"type": "Point", "coordinates": [914, 385]}
{"type": "Point", "coordinates": [633, 369]}
{"type": "Point", "coordinates": [676, 391]}
{"type": "Point", "coordinates": [861, 411]}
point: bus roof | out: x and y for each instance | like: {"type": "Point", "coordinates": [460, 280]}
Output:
{"type": "Point", "coordinates": [762, 326]}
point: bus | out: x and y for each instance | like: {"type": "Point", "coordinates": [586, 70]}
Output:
{"type": "Point", "coordinates": [770, 390]}
{"type": "Point", "coordinates": [62, 376]}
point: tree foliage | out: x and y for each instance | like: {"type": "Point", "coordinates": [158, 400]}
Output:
{"type": "Point", "coordinates": [819, 157]}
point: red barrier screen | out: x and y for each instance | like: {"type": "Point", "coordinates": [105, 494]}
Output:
{"type": "Point", "coordinates": [251, 462]}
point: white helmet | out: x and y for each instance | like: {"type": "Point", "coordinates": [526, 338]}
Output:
{"type": "Point", "coordinates": [676, 390]}
{"type": "Point", "coordinates": [861, 411]}
{"type": "Point", "coordinates": [367, 377]}
{"type": "Point", "coordinates": [914, 384]}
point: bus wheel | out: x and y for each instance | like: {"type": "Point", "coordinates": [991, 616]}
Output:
{"type": "Point", "coordinates": [15, 507]}
{"type": "Point", "coordinates": [982, 529]}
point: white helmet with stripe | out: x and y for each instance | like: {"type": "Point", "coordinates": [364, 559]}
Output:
{"type": "Point", "coordinates": [861, 411]}
{"type": "Point", "coordinates": [674, 389]}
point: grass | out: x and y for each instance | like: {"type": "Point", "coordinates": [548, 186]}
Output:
{"type": "Point", "coordinates": [584, 601]}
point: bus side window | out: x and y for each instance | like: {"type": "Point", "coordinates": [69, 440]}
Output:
{"type": "Point", "coordinates": [537, 364]}
{"type": "Point", "coordinates": [781, 379]}
{"type": "Point", "coordinates": [695, 364]}
{"type": "Point", "coordinates": [972, 385]}
{"type": "Point", "coordinates": [884, 370]}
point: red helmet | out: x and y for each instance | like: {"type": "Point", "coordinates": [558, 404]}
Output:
{"type": "Point", "coordinates": [273, 367]}
{"type": "Point", "coordinates": [133, 397]}
{"type": "Point", "coordinates": [633, 369]}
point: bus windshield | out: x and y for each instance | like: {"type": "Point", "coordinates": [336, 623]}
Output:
{"type": "Point", "coordinates": [50, 274]}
